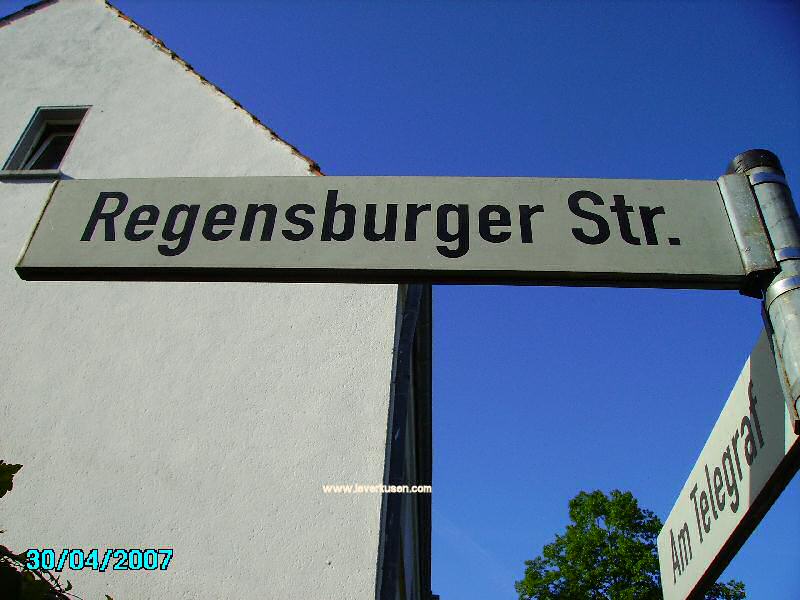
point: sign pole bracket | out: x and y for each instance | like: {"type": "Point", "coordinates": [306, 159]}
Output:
{"type": "Point", "coordinates": [781, 295]}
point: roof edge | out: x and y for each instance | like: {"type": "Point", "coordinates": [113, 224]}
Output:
{"type": "Point", "coordinates": [313, 166]}
{"type": "Point", "coordinates": [25, 11]}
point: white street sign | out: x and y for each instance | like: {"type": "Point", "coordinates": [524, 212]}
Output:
{"type": "Point", "coordinates": [456, 229]}
{"type": "Point", "coordinates": [750, 456]}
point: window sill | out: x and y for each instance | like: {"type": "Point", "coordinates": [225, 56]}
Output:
{"type": "Point", "coordinates": [49, 174]}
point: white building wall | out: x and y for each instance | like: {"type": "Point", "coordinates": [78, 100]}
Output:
{"type": "Point", "coordinates": [204, 417]}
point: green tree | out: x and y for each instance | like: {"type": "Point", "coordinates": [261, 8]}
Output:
{"type": "Point", "coordinates": [607, 552]}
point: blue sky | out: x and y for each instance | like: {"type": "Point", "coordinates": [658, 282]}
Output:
{"type": "Point", "coordinates": [538, 392]}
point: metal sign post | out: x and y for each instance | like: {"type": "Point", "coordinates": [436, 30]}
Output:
{"type": "Point", "coordinates": [782, 294]}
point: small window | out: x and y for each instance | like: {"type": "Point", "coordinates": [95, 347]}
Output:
{"type": "Point", "coordinates": [46, 139]}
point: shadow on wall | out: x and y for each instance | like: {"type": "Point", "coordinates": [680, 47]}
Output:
{"type": "Point", "coordinates": [17, 581]}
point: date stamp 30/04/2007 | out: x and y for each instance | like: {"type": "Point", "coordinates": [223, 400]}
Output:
{"type": "Point", "coordinates": [111, 559]}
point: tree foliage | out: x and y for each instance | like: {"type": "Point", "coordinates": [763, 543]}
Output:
{"type": "Point", "coordinates": [607, 552]}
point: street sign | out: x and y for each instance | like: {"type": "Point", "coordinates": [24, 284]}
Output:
{"type": "Point", "coordinates": [403, 229]}
{"type": "Point", "coordinates": [750, 456]}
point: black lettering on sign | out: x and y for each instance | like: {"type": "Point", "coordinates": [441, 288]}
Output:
{"type": "Point", "coordinates": [143, 215]}
{"type": "Point", "coordinates": [389, 226]}
{"type": "Point", "coordinates": [269, 211]}
{"type": "Point", "coordinates": [719, 497]}
{"type": "Point", "coordinates": [750, 450]}
{"type": "Point", "coordinates": [625, 223]}
{"type": "Point", "coordinates": [723, 477]}
{"type": "Point", "coordinates": [730, 479]}
{"type": "Point", "coordinates": [307, 227]}
{"type": "Point", "coordinates": [108, 217]}
{"type": "Point", "coordinates": [684, 545]}
{"type": "Point", "coordinates": [412, 212]}
{"type": "Point", "coordinates": [676, 565]}
{"type": "Point", "coordinates": [704, 511]}
{"type": "Point", "coordinates": [219, 216]}
{"type": "Point", "coordinates": [683, 555]}
{"type": "Point", "coordinates": [603, 231]}
{"type": "Point", "coordinates": [693, 496]}
{"type": "Point", "coordinates": [461, 234]}
{"type": "Point", "coordinates": [754, 414]}
{"type": "Point", "coordinates": [648, 214]}
{"type": "Point", "coordinates": [343, 222]}
{"type": "Point", "coordinates": [623, 219]}
{"type": "Point", "coordinates": [734, 439]}
{"type": "Point", "coordinates": [525, 215]}
{"type": "Point", "coordinates": [486, 222]}
{"type": "Point", "coordinates": [329, 219]}
{"type": "Point", "coordinates": [183, 235]}
{"type": "Point", "coordinates": [711, 494]}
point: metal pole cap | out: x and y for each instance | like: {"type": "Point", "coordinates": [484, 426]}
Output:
{"type": "Point", "coordinates": [751, 159]}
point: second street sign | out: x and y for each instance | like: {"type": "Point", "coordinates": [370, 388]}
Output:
{"type": "Point", "coordinates": [368, 229]}
{"type": "Point", "coordinates": [750, 456]}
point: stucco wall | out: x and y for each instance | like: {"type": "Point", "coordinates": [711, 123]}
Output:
{"type": "Point", "coordinates": [202, 417]}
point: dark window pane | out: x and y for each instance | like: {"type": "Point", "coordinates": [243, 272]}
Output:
{"type": "Point", "coordinates": [51, 145]}
{"type": "Point", "coordinates": [52, 149]}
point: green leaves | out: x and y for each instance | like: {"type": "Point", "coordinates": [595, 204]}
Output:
{"type": "Point", "coordinates": [607, 552]}
{"type": "Point", "coordinates": [733, 590]}
{"type": "Point", "coordinates": [7, 473]}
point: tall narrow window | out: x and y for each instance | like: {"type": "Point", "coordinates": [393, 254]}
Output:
{"type": "Point", "coordinates": [46, 139]}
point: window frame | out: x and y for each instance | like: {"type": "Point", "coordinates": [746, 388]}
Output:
{"type": "Point", "coordinates": [28, 148]}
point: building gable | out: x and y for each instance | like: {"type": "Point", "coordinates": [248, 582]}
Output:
{"type": "Point", "coordinates": [151, 113]}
